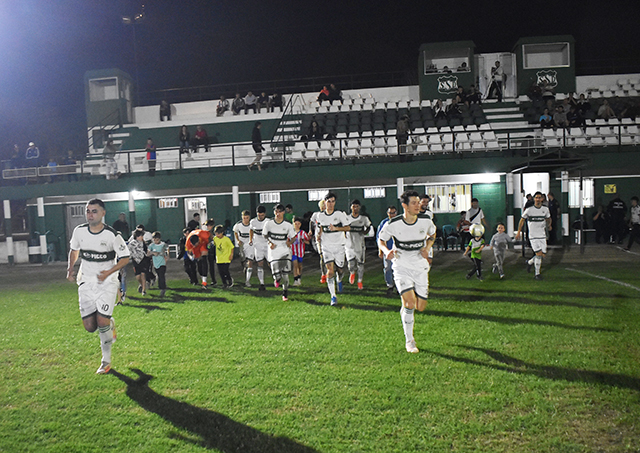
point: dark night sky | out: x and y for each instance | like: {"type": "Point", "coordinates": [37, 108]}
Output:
{"type": "Point", "coordinates": [47, 45]}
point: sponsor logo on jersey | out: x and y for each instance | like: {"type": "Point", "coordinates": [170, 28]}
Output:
{"type": "Point", "coordinates": [409, 245]}
{"type": "Point", "coordinates": [90, 255]}
{"type": "Point", "coordinates": [278, 236]}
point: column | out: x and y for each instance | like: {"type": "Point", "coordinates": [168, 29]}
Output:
{"type": "Point", "coordinates": [8, 231]}
{"type": "Point", "coordinates": [564, 206]}
{"type": "Point", "coordinates": [510, 204]}
{"type": "Point", "coordinates": [132, 213]}
{"type": "Point", "coordinates": [40, 225]}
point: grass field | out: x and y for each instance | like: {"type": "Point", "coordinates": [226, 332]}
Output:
{"type": "Point", "coordinates": [514, 365]}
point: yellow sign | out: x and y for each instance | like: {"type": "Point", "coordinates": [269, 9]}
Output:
{"type": "Point", "coordinates": [610, 188]}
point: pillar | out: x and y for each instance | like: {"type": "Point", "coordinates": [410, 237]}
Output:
{"type": "Point", "coordinates": [132, 212]}
{"type": "Point", "coordinates": [8, 231]}
{"type": "Point", "coordinates": [400, 186]}
{"type": "Point", "coordinates": [510, 204]}
{"type": "Point", "coordinates": [40, 225]}
{"type": "Point", "coordinates": [564, 206]}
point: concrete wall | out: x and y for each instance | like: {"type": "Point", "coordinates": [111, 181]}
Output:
{"type": "Point", "coordinates": [592, 83]}
{"type": "Point", "coordinates": [20, 250]}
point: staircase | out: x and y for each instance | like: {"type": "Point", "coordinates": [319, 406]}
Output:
{"type": "Point", "coordinates": [508, 121]}
{"type": "Point", "coordinates": [288, 131]}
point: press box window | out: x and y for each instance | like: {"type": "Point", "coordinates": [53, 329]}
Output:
{"type": "Point", "coordinates": [103, 89]}
{"type": "Point", "coordinates": [539, 56]}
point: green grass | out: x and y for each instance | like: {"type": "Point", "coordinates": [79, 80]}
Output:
{"type": "Point", "coordinates": [512, 365]}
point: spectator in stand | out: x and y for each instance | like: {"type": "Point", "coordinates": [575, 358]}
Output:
{"type": "Point", "coordinates": [151, 156]}
{"type": "Point", "coordinates": [547, 92]}
{"type": "Point", "coordinates": [200, 138]}
{"type": "Point", "coordinates": [185, 139]}
{"type": "Point", "coordinates": [238, 105]}
{"type": "Point", "coordinates": [497, 81]}
{"type": "Point", "coordinates": [324, 94]}
{"type": "Point", "coordinates": [250, 102]}
{"type": "Point", "coordinates": [17, 158]}
{"type": "Point", "coordinates": [545, 120]}
{"type": "Point", "coordinates": [334, 94]}
{"type": "Point", "coordinates": [535, 92]}
{"type": "Point", "coordinates": [223, 106]}
{"type": "Point", "coordinates": [446, 70]}
{"type": "Point", "coordinates": [439, 110]}
{"type": "Point", "coordinates": [571, 100]}
{"type": "Point", "coordinates": [605, 111]}
{"type": "Point", "coordinates": [575, 117]}
{"type": "Point", "coordinates": [70, 160]}
{"type": "Point", "coordinates": [109, 153]}
{"type": "Point", "coordinates": [560, 117]}
{"type": "Point", "coordinates": [461, 97]}
{"type": "Point", "coordinates": [617, 210]}
{"type": "Point", "coordinates": [634, 223]}
{"type": "Point", "coordinates": [631, 110]}
{"type": "Point", "coordinates": [263, 101]}
{"type": "Point", "coordinates": [583, 104]}
{"type": "Point", "coordinates": [315, 131]}
{"type": "Point", "coordinates": [566, 105]}
{"type": "Point", "coordinates": [256, 142]}
{"type": "Point", "coordinates": [32, 155]}
{"type": "Point", "coordinates": [453, 110]}
{"type": "Point", "coordinates": [165, 110]}
{"type": "Point", "coordinates": [463, 67]}
{"type": "Point", "coordinates": [601, 225]}
{"type": "Point", "coordinates": [276, 101]}
{"type": "Point", "coordinates": [53, 169]}
{"type": "Point", "coordinates": [474, 96]}
{"type": "Point", "coordinates": [402, 134]}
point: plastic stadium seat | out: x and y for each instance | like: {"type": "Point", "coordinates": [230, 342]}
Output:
{"type": "Point", "coordinates": [596, 95]}
{"type": "Point", "coordinates": [495, 145]}
{"type": "Point", "coordinates": [366, 147]}
{"type": "Point", "coordinates": [596, 141]}
{"type": "Point", "coordinates": [425, 104]}
{"type": "Point", "coordinates": [392, 146]}
{"type": "Point", "coordinates": [484, 127]}
{"type": "Point", "coordinates": [350, 148]}
{"type": "Point", "coordinates": [611, 140]}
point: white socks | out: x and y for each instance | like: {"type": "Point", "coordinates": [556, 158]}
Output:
{"type": "Point", "coordinates": [360, 271]}
{"type": "Point", "coordinates": [406, 315]}
{"type": "Point", "coordinates": [249, 272]}
{"type": "Point", "coordinates": [537, 263]}
{"type": "Point", "coordinates": [261, 275]}
{"type": "Point", "coordinates": [331, 283]}
{"type": "Point", "coordinates": [106, 338]}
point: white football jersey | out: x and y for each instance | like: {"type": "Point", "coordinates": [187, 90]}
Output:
{"type": "Point", "coordinates": [337, 219]}
{"type": "Point", "coordinates": [278, 233]}
{"type": "Point", "coordinates": [408, 240]}
{"type": "Point", "coordinates": [257, 227]}
{"type": "Point", "coordinates": [536, 221]}
{"type": "Point", "coordinates": [98, 252]}
{"type": "Point", "coordinates": [243, 231]}
{"type": "Point", "coordinates": [355, 236]}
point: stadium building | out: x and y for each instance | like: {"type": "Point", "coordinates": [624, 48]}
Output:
{"type": "Point", "coordinates": [494, 151]}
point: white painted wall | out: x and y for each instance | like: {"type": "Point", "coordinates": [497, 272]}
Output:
{"type": "Point", "coordinates": [592, 83]}
{"type": "Point", "coordinates": [21, 250]}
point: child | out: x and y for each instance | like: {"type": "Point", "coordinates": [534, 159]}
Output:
{"type": "Point", "coordinates": [498, 244]}
{"type": "Point", "coordinates": [189, 264]}
{"type": "Point", "coordinates": [224, 255]}
{"type": "Point", "coordinates": [138, 250]}
{"type": "Point", "coordinates": [475, 246]}
{"type": "Point", "coordinates": [158, 253]}
{"type": "Point", "coordinates": [297, 247]}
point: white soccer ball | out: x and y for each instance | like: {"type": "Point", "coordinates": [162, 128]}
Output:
{"type": "Point", "coordinates": [476, 230]}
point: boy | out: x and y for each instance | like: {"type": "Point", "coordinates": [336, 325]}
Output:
{"type": "Point", "coordinates": [158, 253]}
{"type": "Point", "coordinates": [499, 243]}
{"type": "Point", "coordinates": [224, 255]}
{"type": "Point", "coordinates": [138, 250]}
{"type": "Point", "coordinates": [197, 248]}
{"type": "Point", "coordinates": [297, 248]}
{"type": "Point", "coordinates": [476, 244]}
{"type": "Point", "coordinates": [189, 264]}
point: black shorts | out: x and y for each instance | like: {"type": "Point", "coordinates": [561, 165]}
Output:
{"type": "Point", "coordinates": [141, 267]}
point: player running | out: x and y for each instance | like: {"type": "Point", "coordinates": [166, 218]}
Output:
{"type": "Point", "coordinates": [412, 235]}
{"type": "Point", "coordinates": [359, 226]}
{"type": "Point", "coordinates": [331, 225]}
{"type": "Point", "coordinates": [313, 223]}
{"type": "Point", "coordinates": [99, 246]}
{"type": "Point", "coordinates": [279, 234]}
{"type": "Point", "coordinates": [258, 242]}
{"type": "Point", "coordinates": [242, 233]}
{"type": "Point", "coordinates": [297, 250]}
{"type": "Point", "coordinates": [538, 220]}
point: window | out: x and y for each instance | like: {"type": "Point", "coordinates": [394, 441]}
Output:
{"type": "Point", "coordinates": [588, 193]}
{"type": "Point", "coordinates": [77, 210]}
{"type": "Point", "coordinates": [167, 203]}
{"type": "Point", "coordinates": [317, 195]}
{"type": "Point", "coordinates": [103, 89]}
{"type": "Point", "coordinates": [550, 55]}
{"type": "Point", "coordinates": [375, 192]}
{"type": "Point", "coordinates": [449, 198]}
{"type": "Point", "coordinates": [270, 197]}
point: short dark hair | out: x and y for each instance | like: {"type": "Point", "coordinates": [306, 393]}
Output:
{"type": "Point", "coordinates": [404, 198]}
{"type": "Point", "coordinates": [392, 207]}
{"type": "Point", "coordinates": [634, 198]}
{"type": "Point", "coordinates": [279, 207]}
{"type": "Point", "coordinates": [289, 206]}
{"type": "Point", "coordinates": [356, 201]}
{"type": "Point", "coordinates": [97, 201]}
{"type": "Point", "coordinates": [537, 193]}
{"type": "Point", "coordinates": [156, 234]}
{"type": "Point", "coordinates": [261, 209]}
{"type": "Point", "coordinates": [474, 199]}
{"type": "Point", "coordinates": [138, 233]}
{"type": "Point", "coordinates": [499, 223]}
{"type": "Point", "coordinates": [424, 195]}
{"type": "Point", "coordinates": [297, 219]}
{"type": "Point", "coordinates": [196, 214]}
{"type": "Point", "coordinates": [330, 195]}
{"type": "Point", "coordinates": [219, 229]}
{"type": "Point", "coordinates": [140, 227]}
{"type": "Point", "coordinates": [194, 239]}
{"type": "Point", "coordinates": [246, 212]}
{"type": "Point", "coordinates": [186, 230]}
{"type": "Point", "coordinates": [210, 222]}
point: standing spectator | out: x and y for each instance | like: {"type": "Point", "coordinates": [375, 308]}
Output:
{"type": "Point", "coordinates": [288, 213]}
{"type": "Point", "coordinates": [256, 142]}
{"type": "Point", "coordinates": [475, 214]}
{"type": "Point", "coordinates": [151, 156]}
{"type": "Point", "coordinates": [109, 153]}
{"type": "Point", "coordinates": [297, 249]}
{"type": "Point", "coordinates": [617, 210]}
{"type": "Point", "coordinates": [545, 120]}
{"type": "Point", "coordinates": [201, 138]}
{"type": "Point", "coordinates": [497, 80]}
{"type": "Point", "coordinates": [601, 225]}
{"type": "Point", "coordinates": [250, 102]}
{"type": "Point", "coordinates": [605, 111]}
{"type": "Point", "coordinates": [392, 211]}
{"type": "Point", "coordinates": [194, 223]}
{"type": "Point", "coordinates": [32, 155]}
{"type": "Point", "coordinates": [276, 101]}
{"type": "Point", "coordinates": [17, 159]}
{"type": "Point", "coordinates": [238, 105]}
{"type": "Point", "coordinates": [185, 139]}
{"type": "Point", "coordinates": [189, 264]}
{"type": "Point", "coordinates": [263, 101]}
{"type": "Point", "coordinates": [53, 169]}
{"type": "Point", "coordinates": [158, 251]}
{"type": "Point", "coordinates": [71, 160]}
{"type": "Point", "coordinates": [122, 226]}
{"type": "Point", "coordinates": [463, 229]}
{"type": "Point", "coordinates": [223, 106]}
{"type": "Point", "coordinates": [165, 110]}
{"type": "Point", "coordinates": [224, 256]}
{"type": "Point", "coordinates": [634, 223]}
{"type": "Point", "coordinates": [548, 95]}
{"type": "Point", "coordinates": [402, 133]}
{"type": "Point", "coordinates": [529, 201]}
{"type": "Point", "coordinates": [554, 210]}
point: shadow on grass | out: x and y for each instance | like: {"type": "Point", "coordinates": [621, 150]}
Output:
{"type": "Point", "coordinates": [365, 307]}
{"type": "Point", "coordinates": [215, 430]}
{"type": "Point", "coordinates": [513, 365]}
{"type": "Point", "coordinates": [505, 320]}
{"type": "Point", "coordinates": [570, 294]}
{"type": "Point", "coordinates": [492, 297]}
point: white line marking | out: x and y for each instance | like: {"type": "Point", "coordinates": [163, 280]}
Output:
{"type": "Point", "coordinates": [604, 278]}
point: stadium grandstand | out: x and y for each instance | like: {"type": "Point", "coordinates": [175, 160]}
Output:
{"type": "Point", "coordinates": [494, 151]}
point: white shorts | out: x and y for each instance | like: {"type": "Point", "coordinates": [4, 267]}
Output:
{"type": "Point", "coordinates": [412, 279]}
{"type": "Point", "coordinates": [247, 251]}
{"type": "Point", "coordinates": [539, 245]}
{"type": "Point", "coordinates": [353, 254]}
{"type": "Point", "coordinates": [333, 254]}
{"type": "Point", "coordinates": [281, 266]}
{"type": "Point", "coordinates": [259, 252]}
{"type": "Point", "coordinates": [100, 297]}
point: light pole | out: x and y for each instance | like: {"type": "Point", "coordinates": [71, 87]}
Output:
{"type": "Point", "coordinates": [133, 21]}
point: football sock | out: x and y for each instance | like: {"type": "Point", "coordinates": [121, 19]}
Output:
{"type": "Point", "coordinates": [353, 266]}
{"type": "Point", "coordinates": [538, 264]}
{"type": "Point", "coordinates": [406, 314]}
{"type": "Point", "coordinates": [331, 283]}
{"type": "Point", "coordinates": [532, 260]}
{"type": "Point", "coordinates": [106, 338]}
{"type": "Point", "coordinates": [249, 272]}
{"type": "Point", "coordinates": [204, 281]}
{"type": "Point", "coordinates": [285, 282]}
{"type": "Point", "coordinates": [261, 275]}
{"type": "Point", "coordinates": [360, 271]}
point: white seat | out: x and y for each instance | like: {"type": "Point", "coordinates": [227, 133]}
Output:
{"type": "Point", "coordinates": [634, 82]}
{"type": "Point", "coordinates": [434, 139]}
{"type": "Point", "coordinates": [485, 127]}
{"type": "Point", "coordinates": [477, 146]}
{"type": "Point", "coordinates": [489, 135]}
{"type": "Point", "coordinates": [445, 129]}
{"type": "Point", "coordinates": [576, 132]}
{"type": "Point", "coordinates": [622, 82]}
{"type": "Point", "coordinates": [614, 121]}
{"type": "Point", "coordinates": [596, 141]}
{"type": "Point", "coordinates": [414, 104]}
{"type": "Point", "coordinates": [493, 144]}
{"type": "Point", "coordinates": [366, 147]}
{"type": "Point", "coordinates": [458, 128]}
{"type": "Point", "coordinates": [379, 146]}
{"type": "Point", "coordinates": [472, 127]}
{"type": "Point", "coordinates": [632, 130]}
{"type": "Point", "coordinates": [392, 146]}
{"type": "Point", "coordinates": [606, 131]}
{"type": "Point", "coordinates": [596, 95]}
{"type": "Point", "coordinates": [335, 108]}
{"type": "Point", "coordinates": [611, 140]}
{"type": "Point", "coordinates": [463, 146]}
{"type": "Point", "coordinates": [462, 137]}
{"type": "Point", "coordinates": [626, 140]}
{"type": "Point", "coordinates": [592, 132]}
{"type": "Point", "coordinates": [418, 130]}
{"type": "Point", "coordinates": [432, 130]}
{"type": "Point", "coordinates": [580, 141]}
{"type": "Point", "coordinates": [350, 148]}
{"type": "Point", "coordinates": [607, 94]}
{"type": "Point", "coordinates": [435, 148]}
{"type": "Point", "coordinates": [619, 93]}
{"type": "Point", "coordinates": [425, 104]}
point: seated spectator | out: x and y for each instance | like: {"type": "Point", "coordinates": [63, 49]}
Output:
{"type": "Point", "coordinates": [32, 155]}
{"type": "Point", "coordinates": [575, 118]}
{"type": "Point", "coordinates": [571, 99]}
{"type": "Point", "coordinates": [315, 131]}
{"type": "Point", "coordinates": [201, 138]}
{"type": "Point", "coordinates": [334, 94]}
{"type": "Point", "coordinates": [474, 96]}
{"type": "Point", "coordinates": [53, 169]}
{"type": "Point", "coordinates": [263, 101]}
{"type": "Point", "coordinates": [461, 96]}
{"type": "Point", "coordinates": [223, 106]}
{"type": "Point", "coordinates": [560, 117]}
{"type": "Point", "coordinates": [546, 122]}
{"type": "Point", "coordinates": [566, 105]}
{"type": "Point", "coordinates": [446, 70]}
{"type": "Point", "coordinates": [250, 102]}
{"type": "Point", "coordinates": [605, 111]}
{"type": "Point", "coordinates": [238, 105]}
{"type": "Point", "coordinates": [324, 94]}
{"type": "Point", "coordinates": [439, 110]}
{"type": "Point", "coordinates": [535, 92]}
{"type": "Point", "coordinates": [463, 67]}
{"type": "Point", "coordinates": [453, 110]}
{"type": "Point", "coordinates": [276, 101]}
{"type": "Point", "coordinates": [185, 139]}
{"type": "Point", "coordinates": [165, 110]}
{"type": "Point", "coordinates": [547, 92]}
{"type": "Point", "coordinates": [70, 160]}
{"type": "Point", "coordinates": [583, 104]}
{"type": "Point", "coordinates": [631, 110]}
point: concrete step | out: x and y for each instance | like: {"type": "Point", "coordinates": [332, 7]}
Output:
{"type": "Point", "coordinates": [510, 125]}
{"type": "Point", "coordinates": [504, 116]}
{"type": "Point", "coordinates": [501, 110]}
